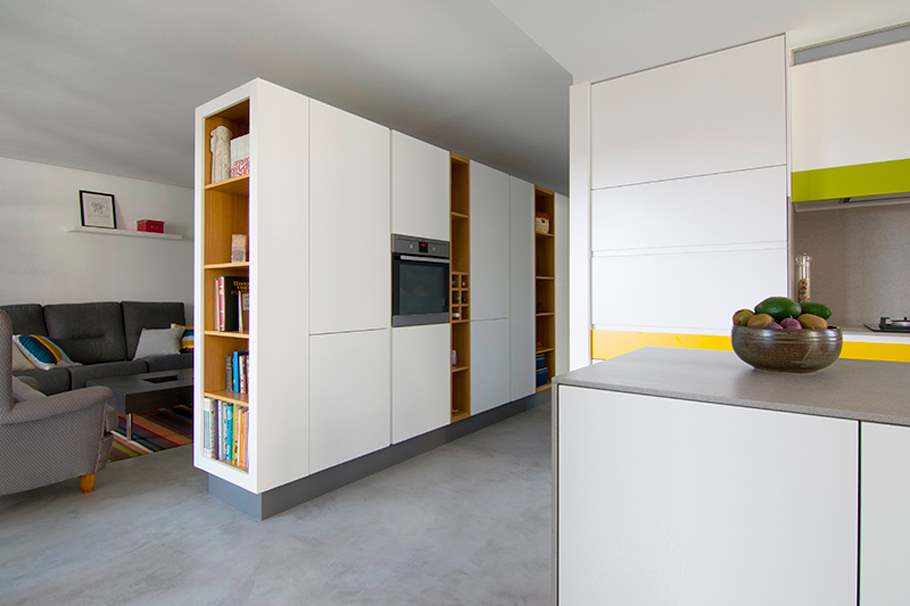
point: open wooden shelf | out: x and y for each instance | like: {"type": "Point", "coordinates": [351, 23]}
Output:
{"type": "Point", "coordinates": [460, 285]}
{"type": "Point", "coordinates": [460, 368]}
{"type": "Point", "coordinates": [227, 335]}
{"type": "Point", "coordinates": [543, 387]}
{"type": "Point", "coordinates": [459, 415]}
{"type": "Point", "coordinates": [541, 350]}
{"type": "Point", "coordinates": [235, 265]}
{"type": "Point", "coordinates": [229, 396]}
{"type": "Point", "coordinates": [545, 277]}
{"type": "Point", "coordinates": [545, 283]}
{"type": "Point", "coordinates": [545, 313]}
{"type": "Point", "coordinates": [459, 215]}
{"type": "Point", "coordinates": [543, 235]}
{"type": "Point", "coordinates": [234, 185]}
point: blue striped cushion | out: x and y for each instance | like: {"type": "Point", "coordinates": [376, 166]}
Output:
{"type": "Point", "coordinates": [41, 351]}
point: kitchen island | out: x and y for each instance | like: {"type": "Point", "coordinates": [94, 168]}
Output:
{"type": "Point", "coordinates": [685, 477]}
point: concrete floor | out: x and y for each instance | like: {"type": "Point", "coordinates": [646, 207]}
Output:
{"type": "Point", "coordinates": [467, 523]}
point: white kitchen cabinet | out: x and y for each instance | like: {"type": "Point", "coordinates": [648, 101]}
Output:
{"type": "Point", "coordinates": [671, 502]}
{"type": "Point", "coordinates": [489, 243]}
{"type": "Point", "coordinates": [350, 396]}
{"type": "Point", "coordinates": [421, 379]}
{"type": "Point", "coordinates": [562, 284]}
{"type": "Point", "coordinates": [349, 233]}
{"type": "Point", "coordinates": [521, 286]}
{"type": "Point", "coordinates": [851, 109]}
{"type": "Point", "coordinates": [884, 526]}
{"type": "Point", "coordinates": [489, 364]}
{"type": "Point", "coordinates": [748, 206]}
{"type": "Point", "coordinates": [720, 112]}
{"type": "Point", "coordinates": [420, 188]}
{"type": "Point", "coordinates": [691, 289]}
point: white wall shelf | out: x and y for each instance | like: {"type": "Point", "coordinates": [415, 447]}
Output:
{"type": "Point", "coordinates": [122, 232]}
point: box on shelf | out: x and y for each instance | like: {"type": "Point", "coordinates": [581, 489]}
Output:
{"type": "Point", "coordinates": [239, 248]}
{"type": "Point", "coordinates": [150, 225]}
{"type": "Point", "coordinates": [542, 223]}
{"type": "Point", "coordinates": [240, 156]}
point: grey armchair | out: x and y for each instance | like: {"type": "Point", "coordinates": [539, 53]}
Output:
{"type": "Point", "coordinates": [47, 439]}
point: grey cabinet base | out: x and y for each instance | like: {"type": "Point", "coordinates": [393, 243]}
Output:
{"type": "Point", "coordinates": [282, 498]}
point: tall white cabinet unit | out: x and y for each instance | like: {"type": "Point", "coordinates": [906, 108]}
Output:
{"type": "Point", "coordinates": [349, 241]}
{"type": "Point", "coordinates": [688, 199]}
{"type": "Point", "coordinates": [489, 364]}
{"type": "Point", "coordinates": [521, 288]}
{"type": "Point", "coordinates": [421, 380]}
{"type": "Point", "coordinates": [489, 243]}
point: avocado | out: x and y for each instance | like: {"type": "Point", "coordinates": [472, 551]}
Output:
{"type": "Point", "coordinates": [741, 318]}
{"type": "Point", "coordinates": [816, 309]}
{"type": "Point", "coordinates": [779, 308]}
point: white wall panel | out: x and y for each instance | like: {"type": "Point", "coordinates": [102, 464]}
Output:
{"type": "Point", "coordinates": [420, 188]}
{"type": "Point", "coordinates": [562, 284]}
{"type": "Point", "coordinates": [521, 287]}
{"type": "Point", "coordinates": [690, 504]}
{"type": "Point", "coordinates": [579, 234]}
{"type": "Point", "coordinates": [690, 290]}
{"type": "Point", "coordinates": [719, 112]}
{"type": "Point", "coordinates": [742, 207]}
{"type": "Point", "coordinates": [489, 243]}
{"type": "Point", "coordinates": [489, 364]}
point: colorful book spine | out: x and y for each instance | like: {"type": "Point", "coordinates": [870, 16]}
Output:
{"type": "Point", "coordinates": [208, 427]}
{"type": "Point", "coordinates": [235, 444]}
{"type": "Point", "coordinates": [219, 421]}
{"type": "Point", "coordinates": [228, 432]}
{"type": "Point", "coordinates": [235, 372]}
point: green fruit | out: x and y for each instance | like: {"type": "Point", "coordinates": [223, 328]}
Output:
{"type": "Point", "coordinates": [812, 322]}
{"type": "Point", "coordinates": [741, 318]}
{"type": "Point", "coordinates": [816, 309]}
{"type": "Point", "coordinates": [779, 308]}
{"type": "Point", "coordinates": [760, 321]}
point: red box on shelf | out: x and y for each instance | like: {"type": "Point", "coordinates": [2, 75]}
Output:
{"type": "Point", "coordinates": [150, 225]}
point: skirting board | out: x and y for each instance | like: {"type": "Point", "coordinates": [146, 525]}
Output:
{"type": "Point", "coordinates": [282, 498]}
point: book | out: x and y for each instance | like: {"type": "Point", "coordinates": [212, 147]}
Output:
{"type": "Point", "coordinates": [235, 443]}
{"type": "Point", "coordinates": [235, 374]}
{"type": "Point", "coordinates": [228, 432]}
{"type": "Point", "coordinates": [228, 371]}
{"type": "Point", "coordinates": [243, 304]}
{"type": "Point", "coordinates": [208, 427]}
{"type": "Point", "coordinates": [219, 423]}
{"type": "Point", "coordinates": [239, 252]}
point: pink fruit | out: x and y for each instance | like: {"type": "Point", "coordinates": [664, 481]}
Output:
{"type": "Point", "coordinates": [774, 326]}
{"type": "Point", "coordinates": [791, 324]}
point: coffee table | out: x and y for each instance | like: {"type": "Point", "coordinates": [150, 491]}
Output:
{"type": "Point", "coordinates": [148, 392]}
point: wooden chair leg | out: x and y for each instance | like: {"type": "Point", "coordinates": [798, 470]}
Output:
{"type": "Point", "coordinates": [87, 483]}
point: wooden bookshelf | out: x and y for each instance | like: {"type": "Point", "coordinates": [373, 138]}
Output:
{"type": "Point", "coordinates": [545, 283]}
{"type": "Point", "coordinates": [460, 286]}
{"type": "Point", "coordinates": [225, 212]}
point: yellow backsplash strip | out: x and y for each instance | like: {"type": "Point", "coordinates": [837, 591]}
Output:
{"type": "Point", "coordinates": [606, 344]}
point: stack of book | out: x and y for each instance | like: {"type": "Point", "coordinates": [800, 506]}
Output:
{"type": "Point", "coordinates": [237, 371]}
{"type": "Point", "coordinates": [232, 304]}
{"type": "Point", "coordinates": [225, 430]}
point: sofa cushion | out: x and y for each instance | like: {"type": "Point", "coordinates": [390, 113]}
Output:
{"type": "Point", "coordinates": [138, 315]}
{"type": "Point", "coordinates": [23, 392]}
{"type": "Point", "coordinates": [27, 319]}
{"type": "Point", "coordinates": [174, 362]}
{"type": "Point", "coordinates": [50, 382]}
{"type": "Point", "coordinates": [89, 333]}
{"type": "Point", "coordinates": [81, 374]}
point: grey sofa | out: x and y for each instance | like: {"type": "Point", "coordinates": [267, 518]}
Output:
{"type": "Point", "coordinates": [47, 439]}
{"type": "Point", "coordinates": [102, 337]}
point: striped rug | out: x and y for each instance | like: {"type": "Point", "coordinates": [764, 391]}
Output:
{"type": "Point", "coordinates": [153, 432]}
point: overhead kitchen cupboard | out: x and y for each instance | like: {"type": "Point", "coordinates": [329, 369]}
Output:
{"type": "Point", "coordinates": [489, 242]}
{"type": "Point", "coordinates": [851, 135]}
{"type": "Point", "coordinates": [420, 188]}
{"type": "Point", "coordinates": [350, 272]}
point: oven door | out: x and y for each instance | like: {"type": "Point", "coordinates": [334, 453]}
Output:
{"type": "Point", "coordinates": [420, 290]}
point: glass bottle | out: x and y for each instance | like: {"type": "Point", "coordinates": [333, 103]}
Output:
{"type": "Point", "coordinates": [803, 278]}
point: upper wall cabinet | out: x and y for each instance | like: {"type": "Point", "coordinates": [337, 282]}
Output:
{"type": "Point", "coordinates": [349, 222]}
{"type": "Point", "coordinates": [489, 243]}
{"type": "Point", "coordinates": [721, 112]}
{"type": "Point", "coordinates": [420, 188]}
{"type": "Point", "coordinates": [851, 135]}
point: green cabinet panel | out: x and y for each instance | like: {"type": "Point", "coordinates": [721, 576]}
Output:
{"type": "Point", "coordinates": [854, 181]}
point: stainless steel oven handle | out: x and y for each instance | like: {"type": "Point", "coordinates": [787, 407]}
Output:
{"type": "Point", "coordinates": [426, 259]}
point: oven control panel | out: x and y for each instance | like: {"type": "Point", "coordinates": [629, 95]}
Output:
{"type": "Point", "coordinates": [409, 245]}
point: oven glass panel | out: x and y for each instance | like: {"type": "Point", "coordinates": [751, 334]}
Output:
{"type": "Point", "coordinates": [423, 288]}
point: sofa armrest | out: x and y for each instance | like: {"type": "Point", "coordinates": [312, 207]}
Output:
{"type": "Point", "coordinates": [30, 381]}
{"type": "Point", "coordinates": [60, 404]}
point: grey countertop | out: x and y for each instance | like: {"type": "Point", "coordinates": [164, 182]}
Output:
{"type": "Point", "coordinates": [864, 391]}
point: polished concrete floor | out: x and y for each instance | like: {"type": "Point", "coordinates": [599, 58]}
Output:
{"type": "Point", "coordinates": [467, 523]}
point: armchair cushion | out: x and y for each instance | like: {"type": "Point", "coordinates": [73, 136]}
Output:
{"type": "Point", "coordinates": [52, 406]}
{"type": "Point", "coordinates": [22, 391]}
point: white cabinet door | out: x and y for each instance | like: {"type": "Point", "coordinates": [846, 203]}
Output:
{"type": "Point", "coordinates": [489, 243]}
{"type": "Point", "coordinates": [489, 364]}
{"type": "Point", "coordinates": [521, 286]}
{"type": "Point", "coordinates": [851, 109]}
{"type": "Point", "coordinates": [350, 396]}
{"type": "Point", "coordinates": [668, 502]}
{"type": "Point", "coordinates": [885, 526]}
{"type": "Point", "coordinates": [420, 188]}
{"type": "Point", "coordinates": [716, 113]}
{"type": "Point", "coordinates": [421, 379]}
{"type": "Point", "coordinates": [350, 240]}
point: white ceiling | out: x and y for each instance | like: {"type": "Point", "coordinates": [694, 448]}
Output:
{"type": "Point", "coordinates": [598, 39]}
{"type": "Point", "coordinates": [111, 86]}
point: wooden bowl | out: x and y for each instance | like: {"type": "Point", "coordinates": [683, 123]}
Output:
{"type": "Point", "coordinates": [787, 351]}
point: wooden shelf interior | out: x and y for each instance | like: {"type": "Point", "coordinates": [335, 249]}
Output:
{"type": "Point", "coordinates": [544, 285]}
{"type": "Point", "coordinates": [460, 285]}
{"type": "Point", "coordinates": [208, 291]}
{"type": "Point", "coordinates": [217, 349]}
{"type": "Point", "coordinates": [237, 119]}
{"type": "Point", "coordinates": [461, 343]}
{"type": "Point", "coordinates": [461, 395]}
{"type": "Point", "coordinates": [460, 248]}
{"type": "Point", "coordinates": [461, 185]}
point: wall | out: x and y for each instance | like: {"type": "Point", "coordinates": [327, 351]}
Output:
{"type": "Point", "coordinates": [859, 260]}
{"type": "Point", "coordinates": [41, 263]}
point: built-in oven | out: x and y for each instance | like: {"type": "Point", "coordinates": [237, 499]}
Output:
{"type": "Point", "coordinates": [420, 281]}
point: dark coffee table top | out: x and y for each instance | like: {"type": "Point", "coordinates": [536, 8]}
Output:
{"type": "Point", "coordinates": [149, 391]}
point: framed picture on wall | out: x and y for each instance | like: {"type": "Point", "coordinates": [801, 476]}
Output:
{"type": "Point", "coordinates": [97, 209]}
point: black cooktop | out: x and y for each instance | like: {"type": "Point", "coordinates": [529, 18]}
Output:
{"type": "Point", "coordinates": [891, 325]}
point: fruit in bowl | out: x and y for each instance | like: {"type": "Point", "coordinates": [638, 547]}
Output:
{"type": "Point", "coordinates": [786, 336]}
